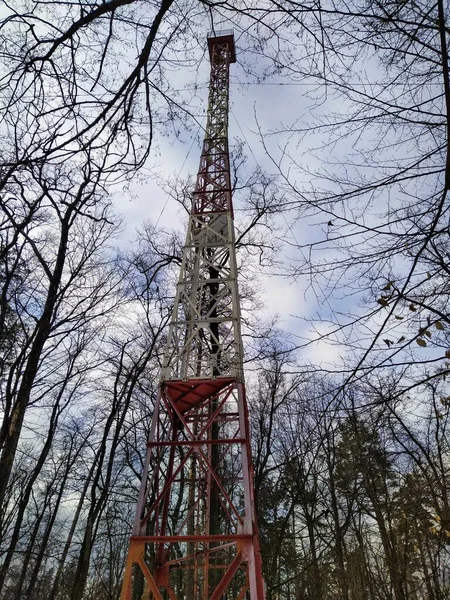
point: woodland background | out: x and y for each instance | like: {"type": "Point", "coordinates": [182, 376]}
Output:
{"type": "Point", "coordinates": [351, 454]}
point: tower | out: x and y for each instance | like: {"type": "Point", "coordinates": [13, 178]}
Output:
{"type": "Point", "coordinates": [195, 535]}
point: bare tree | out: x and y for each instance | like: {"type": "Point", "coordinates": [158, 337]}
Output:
{"type": "Point", "coordinates": [59, 255]}
{"type": "Point", "coordinates": [379, 202]}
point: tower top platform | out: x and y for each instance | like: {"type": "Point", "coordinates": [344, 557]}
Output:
{"type": "Point", "coordinates": [221, 37]}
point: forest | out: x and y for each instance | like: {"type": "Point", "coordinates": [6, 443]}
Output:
{"type": "Point", "coordinates": [351, 452]}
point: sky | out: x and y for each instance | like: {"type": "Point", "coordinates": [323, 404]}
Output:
{"type": "Point", "coordinates": [269, 103]}
{"type": "Point", "coordinates": [272, 104]}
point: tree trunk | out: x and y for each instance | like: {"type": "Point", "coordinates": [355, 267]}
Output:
{"type": "Point", "coordinates": [42, 332]}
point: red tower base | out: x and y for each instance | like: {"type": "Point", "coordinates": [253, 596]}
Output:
{"type": "Point", "coordinates": [195, 535]}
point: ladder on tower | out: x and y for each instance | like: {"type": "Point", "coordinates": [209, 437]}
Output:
{"type": "Point", "coordinates": [195, 534]}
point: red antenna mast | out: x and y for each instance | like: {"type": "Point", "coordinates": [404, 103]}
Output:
{"type": "Point", "coordinates": [195, 535]}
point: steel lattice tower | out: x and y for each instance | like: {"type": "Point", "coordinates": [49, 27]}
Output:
{"type": "Point", "coordinates": [195, 534]}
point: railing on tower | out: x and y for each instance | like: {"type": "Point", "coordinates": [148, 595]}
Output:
{"type": "Point", "coordinates": [195, 534]}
